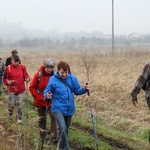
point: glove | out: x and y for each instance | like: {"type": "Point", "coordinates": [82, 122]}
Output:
{"type": "Point", "coordinates": [134, 101]}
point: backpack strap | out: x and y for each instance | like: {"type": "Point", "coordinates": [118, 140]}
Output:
{"type": "Point", "coordinates": [22, 68]}
{"type": "Point", "coordinates": [8, 68]}
{"type": "Point", "coordinates": [39, 76]}
{"type": "Point", "coordinates": [38, 81]}
{"type": "Point", "coordinates": [65, 83]}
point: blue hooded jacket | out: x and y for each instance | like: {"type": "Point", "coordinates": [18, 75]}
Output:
{"type": "Point", "coordinates": [62, 95]}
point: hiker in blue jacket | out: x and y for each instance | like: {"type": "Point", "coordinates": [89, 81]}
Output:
{"type": "Point", "coordinates": [60, 89]}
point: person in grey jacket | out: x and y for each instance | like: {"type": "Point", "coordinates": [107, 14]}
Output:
{"type": "Point", "coordinates": [60, 89]}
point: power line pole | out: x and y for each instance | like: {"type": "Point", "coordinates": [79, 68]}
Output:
{"type": "Point", "coordinates": [113, 27]}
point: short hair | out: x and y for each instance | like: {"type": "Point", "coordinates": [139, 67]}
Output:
{"type": "Point", "coordinates": [14, 52]}
{"type": "Point", "coordinates": [15, 58]}
{"type": "Point", "coordinates": [63, 65]}
{"type": "Point", "coordinates": [49, 63]}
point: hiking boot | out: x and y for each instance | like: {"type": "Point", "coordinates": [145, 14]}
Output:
{"type": "Point", "coordinates": [10, 117]}
{"type": "Point", "coordinates": [19, 121]}
{"type": "Point", "coordinates": [48, 132]}
{"type": "Point", "coordinates": [54, 140]}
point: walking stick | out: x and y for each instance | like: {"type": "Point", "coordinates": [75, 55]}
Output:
{"type": "Point", "coordinates": [27, 97]}
{"type": "Point", "coordinates": [93, 123]}
{"type": "Point", "coordinates": [149, 137]}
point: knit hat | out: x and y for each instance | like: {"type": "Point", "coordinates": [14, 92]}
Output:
{"type": "Point", "coordinates": [49, 63]}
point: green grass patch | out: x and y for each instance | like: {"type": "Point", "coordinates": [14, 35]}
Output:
{"type": "Point", "coordinates": [85, 141]}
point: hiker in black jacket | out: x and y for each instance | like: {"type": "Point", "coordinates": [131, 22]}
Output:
{"type": "Point", "coordinates": [2, 67]}
{"type": "Point", "coordinates": [8, 60]}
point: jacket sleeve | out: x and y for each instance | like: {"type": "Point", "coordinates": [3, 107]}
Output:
{"type": "Point", "coordinates": [78, 90]}
{"type": "Point", "coordinates": [145, 73]}
{"type": "Point", "coordinates": [25, 73]}
{"type": "Point", "coordinates": [49, 87]}
{"type": "Point", "coordinates": [33, 85]}
{"type": "Point", "coordinates": [5, 77]}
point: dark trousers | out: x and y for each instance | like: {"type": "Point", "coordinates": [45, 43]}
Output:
{"type": "Point", "coordinates": [42, 112]}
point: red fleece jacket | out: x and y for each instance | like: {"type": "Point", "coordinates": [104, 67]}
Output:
{"type": "Point", "coordinates": [36, 88]}
{"type": "Point", "coordinates": [18, 74]}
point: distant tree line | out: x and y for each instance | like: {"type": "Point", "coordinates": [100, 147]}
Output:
{"type": "Point", "coordinates": [72, 42]}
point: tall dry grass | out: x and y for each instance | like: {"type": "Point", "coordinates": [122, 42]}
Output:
{"type": "Point", "coordinates": [111, 82]}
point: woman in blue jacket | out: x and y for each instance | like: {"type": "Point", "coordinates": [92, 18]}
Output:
{"type": "Point", "coordinates": [60, 89]}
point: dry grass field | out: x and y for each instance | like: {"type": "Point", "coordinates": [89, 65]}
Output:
{"type": "Point", "coordinates": [111, 80]}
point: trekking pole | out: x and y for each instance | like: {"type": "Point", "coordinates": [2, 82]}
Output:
{"type": "Point", "coordinates": [42, 146]}
{"type": "Point", "coordinates": [46, 111]}
{"type": "Point", "coordinates": [27, 97]}
{"type": "Point", "coordinates": [149, 137]}
{"type": "Point", "coordinates": [92, 116]}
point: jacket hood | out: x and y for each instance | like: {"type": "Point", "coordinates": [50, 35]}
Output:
{"type": "Point", "coordinates": [41, 68]}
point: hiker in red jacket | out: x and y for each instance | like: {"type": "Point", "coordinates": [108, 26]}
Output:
{"type": "Point", "coordinates": [14, 77]}
{"type": "Point", "coordinates": [37, 86]}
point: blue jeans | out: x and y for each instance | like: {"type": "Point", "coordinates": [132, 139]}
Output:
{"type": "Point", "coordinates": [16, 100]}
{"type": "Point", "coordinates": [63, 123]}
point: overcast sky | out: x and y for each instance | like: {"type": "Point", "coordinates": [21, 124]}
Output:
{"type": "Point", "coordinates": [78, 15]}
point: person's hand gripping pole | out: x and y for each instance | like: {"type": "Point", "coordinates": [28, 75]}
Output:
{"type": "Point", "coordinates": [87, 89]}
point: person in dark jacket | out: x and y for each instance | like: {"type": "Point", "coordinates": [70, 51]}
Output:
{"type": "Point", "coordinates": [8, 60]}
{"type": "Point", "coordinates": [15, 76]}
{"type": "Point", "coordinates": [61, 88]}
{"type": "Point", "coordinates": [2, 67]}
{"type": "Point", "coordinates": [37, 86]}
{"type": "Point", "coordinates": [140, 82]}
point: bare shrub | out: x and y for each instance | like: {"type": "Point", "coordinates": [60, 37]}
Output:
{"type": "Point", "coordinates": [88, 62]}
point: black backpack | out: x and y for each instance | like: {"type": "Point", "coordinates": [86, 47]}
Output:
{"type": "Point", "coordinates": [38, 80]}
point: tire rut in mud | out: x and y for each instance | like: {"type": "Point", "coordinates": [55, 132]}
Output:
{"type": "Point", "coordinates": [117, 145]}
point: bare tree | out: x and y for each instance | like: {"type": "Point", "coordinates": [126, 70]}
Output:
{"type": "Point", "coordinates": [88, 62]}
